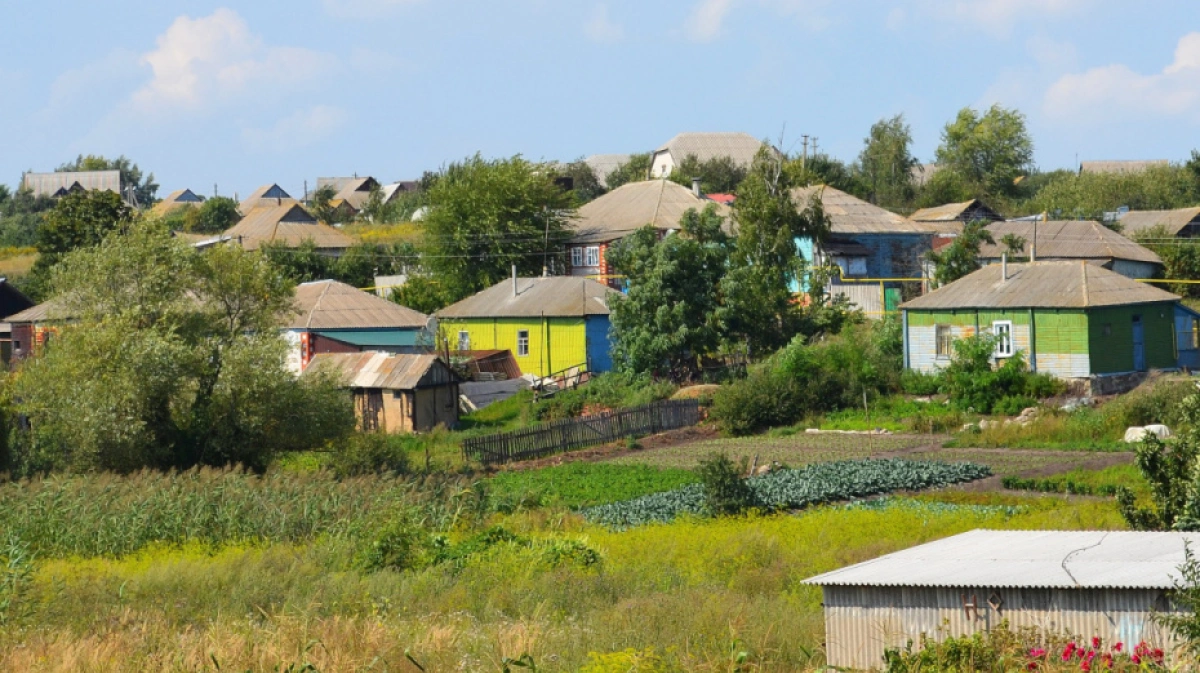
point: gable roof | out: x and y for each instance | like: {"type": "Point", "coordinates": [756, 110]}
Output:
{"type": "Point", "coordinates": [382, 370]}
{"type": "Point", "coordinates": [1124, 166]}
{"type": "Point", "coordinates": [603, 164]}
{"type": "Point", "coordinates": [390, 191]}
{"type": "Point", "coordinates": [659, 203]}
{"type": "Point", "coordinates": [47, 311]}
{"type": "Point", "coordinates": [1069, 239]}
{"type": "Point", "coordinates": [265, 196]}
{"type": "Point", "coordinates": [851, 215]}
{"type": "Point", "coordinates": [354, 191]}
{"type": "Point", "coordinates": [181, 198]}
{"type": "Point", "coordinates": [741, 147]}
{"type": "Point", "coordinates": [329, 304]}
{"type": "Point", "coordinates": [1072, 284]}
{"type": "Point", "coordinates": [1172, 220]}
{"type": "Point", "coordinates": [62, 182]}
{"type": "Point", "coordinates": [548, 296]}
{"type": "Point", "coordinates": [956, 212]}
{"type": "Point", "coordinates": [290, 224]}
{"type": "Point", "coordinates": [1047, 559]}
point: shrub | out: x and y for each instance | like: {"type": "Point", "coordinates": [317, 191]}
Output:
{"type": "Point", "coordinates": [370, 453]}
{"type": "Point", "coordinates": [402, 544]}
{"type": "Point", "coordinates": [1011, 405]}
{"type": "Point", "coordinates": [725, 492]}
{"type": "Point", "coordinates": [973, 384]}
{"type": "Point", "coordinates": [914, 382]}
{"type": "Point", "coordinates": [612, 390]}
{"type": "Point", "coordinates": [1153, 402]}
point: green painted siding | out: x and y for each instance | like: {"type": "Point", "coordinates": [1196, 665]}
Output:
{"type": "Point", "coordinates": [555, 344]}
{"type": "Point", "coordinates": [988, 316]}
{"type": "Point", "coordinates": [929, 318]}
{"type": "Point", "coordinates": [1110, 337]}
{"type": "Point", "coordinates": [1061, 332]}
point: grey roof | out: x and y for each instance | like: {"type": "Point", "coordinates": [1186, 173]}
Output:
{"type": "Point", "coordinates": [1074, 284]}
{"type": "Point", "coordinates": [552, 296]}
{"type": "Point", "coordinates": [1027, 559]}
{"type": "Point", "coordinates": [603, 164]}
{"type": "Point", "coordinates": [329, 304]}
{"type": "Point", "coordinates": [1172, 220]}
{"type": "Point", "coordinates": [264, 197]}
{"type": "Point", "coordinates": [851, 215]}
{"type": "Point", "coordinates": [381, 370]}
{"type": "Point", "coordinates": [741, 147]}
{"type": "Point", "coordinates": [58, 183]}
{"type": "Point", "coordinates": [659, 203]}
{"type": "Point", "coordinates": [1069, 239]}
{"type": "Point", "coordinates": [289, 224]}
{"type": "Point", "coordinates": [956, 212]}
{"type": "Point", "coordinates": [47, 311]}
{"type": "Point", "coordinates": [922, 173]}
{"type": "Point", "coordinates": [182, 198]}
{"type": "Point", "coordinates": [1124, 166]}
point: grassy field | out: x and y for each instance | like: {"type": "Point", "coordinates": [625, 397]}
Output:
{"type": "Point", "coordinates": [16, 262]}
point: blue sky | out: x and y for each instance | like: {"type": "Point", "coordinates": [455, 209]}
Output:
{"type": "Point", "coordinates": [244, 94]}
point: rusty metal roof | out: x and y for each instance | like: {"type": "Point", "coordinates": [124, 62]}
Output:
{"type": "Point", "coordinates": [382, 370]}
{"type": "Point", "coordinates": [1122, 166]}
{"type": "Point", "coordinates": [1068, 239]}
{"type": "Point", "coordinates": [659, 203]}
{"type": "Point", "coordinates": [329, 304]}
{"type": "Point", "coordinates": [290, 224]}
{"type": "Point", "coordinates": [552, 297]}
{"type": "Point", "coordinates": [1173, 221]}
{"type": "Point", "coordinates": [741, 147]}
{"type": "Point", "coordinates": [851, 215]}
{"type": "Point", "coordinates": [54, 184]}
{"type": "Point", "coordinates": [1028, 559]}
{"type": "Point", "coordinates": [1070, 284]}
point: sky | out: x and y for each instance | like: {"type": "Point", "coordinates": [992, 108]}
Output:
{"type": "Point", "coordinates": [227, 97]}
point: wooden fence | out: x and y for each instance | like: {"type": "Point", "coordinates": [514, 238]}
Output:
{"type": "Point", "coordinates": [547, 439]}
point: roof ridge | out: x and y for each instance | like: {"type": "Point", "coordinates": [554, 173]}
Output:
{"type": "Point", "coordinates": [317, 304]}
{"type": "Point", "coordinates": [1087, 296]}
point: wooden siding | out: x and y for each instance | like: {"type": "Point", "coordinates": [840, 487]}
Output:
{"type": "Point", "coordinates": [1112, 352]}
{"type": "Point", "coordinates": [555, 344]}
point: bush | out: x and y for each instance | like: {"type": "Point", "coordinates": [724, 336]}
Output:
{"type": "Point", "coordinates": [370, 453]}
{"type": "Point", "coordinates": [914, 382]}
{"type": "Point", "coordinates": [613, 390]}
{"type": "Point", "coordinates": [973, 384]}
{"type": "Point", "coordinates": [1152, 402]}
{"type": "Point", "coordinates": [725, 492]}
{"type": "Point", "coordinates": [1012, 405]}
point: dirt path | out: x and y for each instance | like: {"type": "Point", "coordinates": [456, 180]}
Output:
{"type": "Point", "coordinates": [671, 438]}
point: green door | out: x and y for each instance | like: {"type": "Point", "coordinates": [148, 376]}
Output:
{"type": "Point", "coordinates": [891, 299]}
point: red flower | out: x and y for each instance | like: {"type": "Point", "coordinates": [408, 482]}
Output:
{"type": "Point", "coordinates": [1031, 666]}
{"type": "Point", "coordinates": [1137, 658]}
{"type": "Point", "coordinates": [1086, 665]}
{"type": "Point", "coordinates": [1095, 641]}
{"type": "Point", "coordinates": [1118, 647]}
{"type": "Point", "coordinates": [1037, 653]}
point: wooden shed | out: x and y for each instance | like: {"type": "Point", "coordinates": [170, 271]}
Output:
{"type": "Point", "coordinates": [1078, 583]}
{"type": "Point", "coordinates": [395, 393]}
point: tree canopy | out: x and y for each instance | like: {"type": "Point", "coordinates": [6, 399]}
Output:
{"type": "Point", "coordinates": [634, 170]}
{"type": "Point", "coordinates": [886, 162]}
{"type": "Point", "coordinates": [987, 152]}
{"type": "Point", "coordinates": [961, 256]}
{"type": "Point", "coordinates": [145, 189]}
{"type": "Point", "coordinates": [718, 175]}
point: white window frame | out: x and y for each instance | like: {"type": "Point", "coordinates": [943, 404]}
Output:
{"type": "Point", "coordinates": [1003, 331]}
{"type": "Point", "coordinates": [464, 340]}
{"type": "Point", "coordinates": [522, 343]}
{"type": "Point", "coordinates": [577, 256]}
{"type": "Point", "coordinates": [591, 256]}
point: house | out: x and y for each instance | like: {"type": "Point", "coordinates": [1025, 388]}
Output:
{"type": "Point", "coordinates": [1073, 240]}
{"type": "Point", "coordinates": [61, 183]}
{"type": "Point", "coordinates": [30, 329]}
{"type": "Point", "coordinates": [354, 191]}
{"type": "Point", "coordinates": [333, 317]}
{"type": "Point", "coordinates": [952, 216]}
{"type": "Point", "coordinates": [183, 198]}
{"type": "Point", "coordinates": [390, 191]}
{"type": "Point", "coordinates": [609, 218]}
{"type": "Point", "coordinates": [604, 164]}
{"type": "Point", "coordinates": [1105, 584]}
{"type": "Point", "coordinates": [288, 224]}
{"type": "Point", "coordinates": [341, 210]}
{"type": "Point", "coordinates": [551, 324]}
{"type": "Point", "coordinates": [395, 393]}
{"type": "Point", "coordinates": [267, 196]}
{"type": "Point", "coordinates": [12, 302]}
{"type": "Point", "coordinates": [1178, 223]}
{"type": "Point", "coordinates": [1120, 167]}
{"type": "Point", "coordinates": [1074, 320]}
{"type": "Point", "coordinates": [740, 147]}
{"type": "Point", "coordinates": [876, 252]}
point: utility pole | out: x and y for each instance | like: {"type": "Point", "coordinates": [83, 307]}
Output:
{"type": "Point", "coordinates": [814, 147]}
{"type": "Point", "coordinates": [804, 157]}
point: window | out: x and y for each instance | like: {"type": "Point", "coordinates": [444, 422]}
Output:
{"type": "Point", "coordinates": [858, 266]}
{"type": "Point", "coordinates": [464, 341]}
{"type": "Point", "coordinates": [576, 256]}
{"type": "Point", "coordinates": [944, 336]}
{"type": "Point", "coordinates": [1002, 330]}
{"type": "Point", "coordinates": [522, 342]}
{"type": "Point", "coordinates": [591, 256]}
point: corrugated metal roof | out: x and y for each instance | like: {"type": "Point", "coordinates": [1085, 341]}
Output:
{"type": "Point", "coordinates": [851, 215]}
{"type": "Point", "coordinates": [1074, 284]}
{"type": "Point", "coordinates": [1124, 166]}
{"type": "Point", "coordinates": [49, 310]}
{"type": "Point", "coordinates": [741, 147]}
{"type": "Point", "coordinates": [182, 198]}
{"type": "Point", "coordinates": [1027, 559]}
{"type": "Point", "coordinates": [553, 296]}
{"type": "Point", "coordinates": [659, 203]}
{"type": "Point", "coordinates": [603, 164]}
{"type": "Point", "coordinates": [51, 184]}
{"type": "Point", "coordinates": [379, 370]}
{"type": "Point", "coordinates": [329, 304]}
{"type": "Point", "coordinates": [1068, 239]}
{"type": "Point", "coordinates": [1172, 220]}
{"type": "Point", "coordinates": [289, 223]}
{"type": "Point", "coordinates": [267, 196]}
{"type": "Point", "coordinates": [956, 212]}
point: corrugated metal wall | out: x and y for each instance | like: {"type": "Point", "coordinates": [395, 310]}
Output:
{"type": "Point", "coordinates": [1111, 337]}
{"type": "Point", "coordinates": [861, 622]}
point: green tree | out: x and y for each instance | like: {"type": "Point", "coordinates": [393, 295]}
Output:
{"type": "Point", "coordinates": [584, 181]}
{"type": "Point", "coordinates": [486, 217]}
{"type": "Point", "coordinates": [1180, 258]}
{"type": "Point", "coordinates": [886, 162]}
{"type": "Point", "coordinates": [172, 360]}
{"type": "Point", "coordinates": [987, 151]}
{"type": "Point", "coordinates": [320, 203]}
{"type": "Point", "coordinates": [823, 169]}
{"type": "Point", "coordinates": [144, 188]}
{"type": "Point", "coordinates": [636, 169]}
{"type": "Point", "coordinates": [79, 220]}
{"type": "Point", "coordinates": [213, 216]}
{"type": "Point", "coordinates": [1014, 245]}
{"type": "Point", "coordinates": [667, 321]}
{"type": "Point", "coordinates": [718, 175]}
{"type": "Point", "coordinates": [961, 257]}
{"type": "Point", "coordinates": [21, 217]}
{"type": "Point", "coordinates": [421, 293]}
{"type": "Point", "coordinates": [1073, 195]}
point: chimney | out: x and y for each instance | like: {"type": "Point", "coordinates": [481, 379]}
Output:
{"type": "Point", "coordinates": [696, 188]}
{"type": "Point", "coordinates": [1004, 266]}
{"type": "Point", "coordinates": [514, 269]}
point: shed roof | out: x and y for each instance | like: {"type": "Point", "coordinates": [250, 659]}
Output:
{"type": "Point", "coordinates": [551, 296]}
{"type": "Point", "coordinates": [659, 203]}
{"type": "Point", "coordinates": [741, 147]}
{"type": "Point", "coordinates": [329, 304]}
{"type": "Point", "coordinates": [851, 215]}
{"type": "Point", "coordinates": [1121, 166]}
{"type": "Point", "coordinates": [603, 164]}
{"type": "Point", "coordinates": [266, 196]}
{"type": "Point", "coordinates": [379, 370]}
{"type": "Point", "coordinates": [956, 212]}
{"type": "Point", "coordinates": [1172, 220]}
{"type": "Point", "coordinates": [288, 223]}
{"type": "Point", "coordinates": [1063, 284]}
{"type": "Point", "coordinates": [59, 182]}
{"type": "Point", "coordinates": [1069, 239]}
{"type": "Point", "coordinates": [1027, 559]}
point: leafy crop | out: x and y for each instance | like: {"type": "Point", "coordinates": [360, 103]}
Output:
{"type": "Point", "coordinates": [792, 489]}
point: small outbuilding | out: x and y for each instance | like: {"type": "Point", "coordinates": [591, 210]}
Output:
{"type": "Point", "coordinates": [1081, 583]}
{"type": "Point", "coordinates": [1071, 240]}
{"type": "Point", "coordinates": [395, 393]}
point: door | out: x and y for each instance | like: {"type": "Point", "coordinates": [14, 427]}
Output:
{"type": "Point", "coordinates": [1139, 345]}
{"type": "Point", "coordinates": [370, 408]}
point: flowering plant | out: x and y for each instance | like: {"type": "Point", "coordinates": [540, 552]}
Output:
{"type": "Point", "coordinates": [1094, 656]}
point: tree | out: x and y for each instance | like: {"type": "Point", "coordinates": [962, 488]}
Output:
{"type": "Point", "coordinates": [718, 175]}
{"type": "Point", "coordinates": [634, 170]}
{"type": "Point", "coordinates": [1073, 195]}
{"type": "Point", "coordinates": [21, 217]}
{"type": "Point", "coordinates": [886, 162]}
{"type": "Point", "coordinates": [213, 216]}
{"type": "Point", "coordinates": [319, 203]}
{"type": "Point", "coordinates": [486, 217]}
{"type": "Point", "coordinates": [144, 189]}
{"type": "Point", "coordinates": [667, 321]}
{"type": "Point", "coordinates": [420, 293]}
{"type": "Point", "coordinates": [173, 359]}
{"type": "Point", "coordinates": [584, 181]}
{"type": "Point", "coordinates": [1014, 245]}
{"type": "Point", "coordinates": [1193, 165]}
{"type": "Point", "coordinates": [987, 151]}
{"type": "Point", "coordinates": [961, 257]}
{"type": "Point", "coordinates": [78, 220]}
{"type": "Point", "coordinates": [822, 169]}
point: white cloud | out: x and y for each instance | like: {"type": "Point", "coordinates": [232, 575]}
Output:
{"type": "Point", "coordinates": [600, 28]}
{"type": "Point", "coordinates": [364, 9]}
{"type": "Point", "coordinates": [198, 62]}
{"type": "Point", "coordinates": [999, 16]}
{"type": "Point", "coordinates": [1116, 90]}
{"type": "Point", "coordinates": [707, 20]}
{"type": "Point", "coordinates": [299, 129]}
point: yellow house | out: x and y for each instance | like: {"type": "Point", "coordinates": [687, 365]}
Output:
{"type": "Point", "coordinates": [550, 324]}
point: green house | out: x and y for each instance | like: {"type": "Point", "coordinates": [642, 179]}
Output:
{"type": "Point", "coordinates": [1070, 319]}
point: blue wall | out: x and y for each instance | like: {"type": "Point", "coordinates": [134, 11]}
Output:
{"type": "Point", "coordinates": [892, 255]}
{"type": "Point", "coordinates": [599, 347]}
